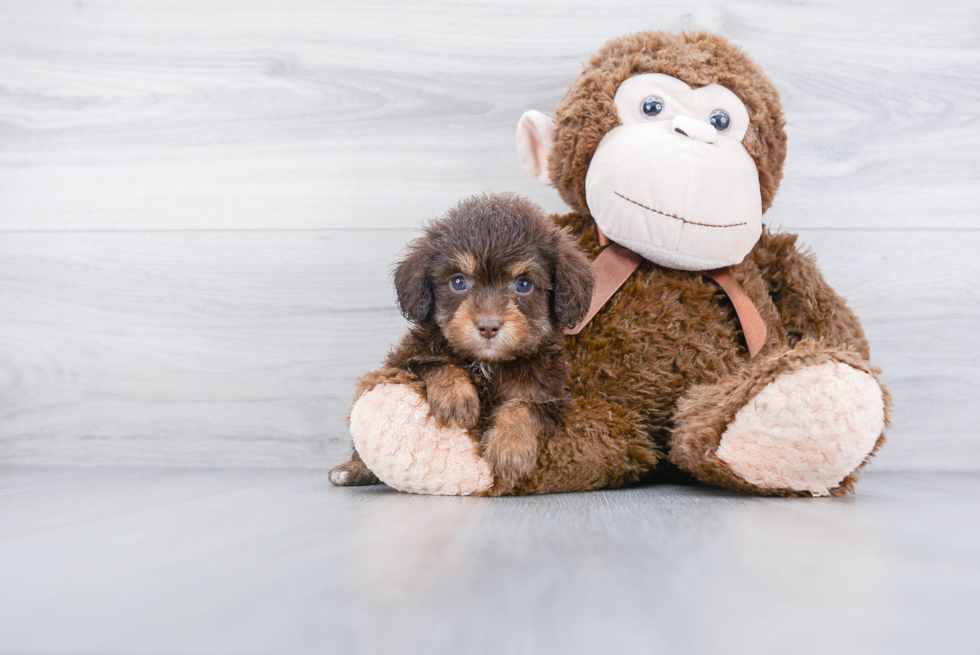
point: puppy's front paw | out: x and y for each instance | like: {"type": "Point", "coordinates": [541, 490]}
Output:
{"type": "Point", "coordinates": [511, 456]}
{"type": "Point", "coordinates": [511, 443]}
{"type": "Point", "coordinates": [352, 474]}
{"type": "Point", "coordinates": [456, 407]}
{"type": "Point", "coordinates": [452, 398]}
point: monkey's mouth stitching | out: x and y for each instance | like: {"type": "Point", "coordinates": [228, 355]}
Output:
{"type": "Point", "coordinates": [682, 220]}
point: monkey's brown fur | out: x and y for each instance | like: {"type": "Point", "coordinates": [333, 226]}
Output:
{"type": "Point", "coordinates": [660, 372]}
{"type": "Point", "coordinates": [508, 390]}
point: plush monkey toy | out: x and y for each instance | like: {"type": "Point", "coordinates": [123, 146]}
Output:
{"type": "Point", "coordinates": [721, 352]}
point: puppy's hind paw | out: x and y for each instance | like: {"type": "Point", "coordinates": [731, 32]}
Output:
{"type": "Point", "coordinates": [352, 474]}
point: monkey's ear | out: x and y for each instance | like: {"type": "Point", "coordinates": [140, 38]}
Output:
{"type": "Point", "coordinates": [535, 136]}
{"type": "Point", "coordinates": [573, 282]}
{"type": "Point", "coordinates": [412, 282]}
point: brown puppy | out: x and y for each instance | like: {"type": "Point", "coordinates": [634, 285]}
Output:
{"type": "Point", "coordinates": [489, 287]}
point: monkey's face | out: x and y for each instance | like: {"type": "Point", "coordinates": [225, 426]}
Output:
{"type": "Point", "coordinates": [672, 142]}
{"type": "Point", "coordinates": [673, 182]}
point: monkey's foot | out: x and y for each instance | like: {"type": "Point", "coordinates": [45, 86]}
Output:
{"type": "Point", "coordinates": [806, 430]}
{"type": "Point", "coordinates": [399, 440]}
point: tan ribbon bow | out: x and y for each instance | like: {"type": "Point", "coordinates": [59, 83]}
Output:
{"type": "Point", "coordinates": [615, 264]}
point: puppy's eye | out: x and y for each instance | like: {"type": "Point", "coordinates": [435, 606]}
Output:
{"type": "Point", "coordinates": [458, 283]}
{"type": "Point", "coordinates": [523, 286]}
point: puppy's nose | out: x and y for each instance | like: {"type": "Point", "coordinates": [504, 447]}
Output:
{"type": "Point", "coordinates": [488, 327]}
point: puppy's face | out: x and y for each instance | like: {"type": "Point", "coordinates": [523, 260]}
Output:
{"type": "Point", "coordinates": [496, 276]}
{"type": "Point", "coordinates": [493, 306]}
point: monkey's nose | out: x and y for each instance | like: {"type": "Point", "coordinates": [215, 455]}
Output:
{"type": "Point", "coordinates": [694, 129]}
{"type": "Point", "coordinates": [488, 327]}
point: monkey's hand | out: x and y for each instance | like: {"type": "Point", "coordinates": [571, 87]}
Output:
{"type": "Point", "coordinates": [452, 397]}
{"type": "Point", "coordinates": [510, 445]}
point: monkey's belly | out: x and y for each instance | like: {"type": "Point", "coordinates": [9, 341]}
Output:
{"type": "Point", "coordinates": [663, 332]}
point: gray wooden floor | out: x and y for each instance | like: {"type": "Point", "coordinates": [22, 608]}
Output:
{"type": "Point", "coordinates": [144, 560]}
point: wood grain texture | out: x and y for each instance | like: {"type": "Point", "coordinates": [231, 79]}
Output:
{"type": "Point", "coordinates": [199, 202]}
{"type": "Point", "coordinates": [300, 114]}
{"type": "Point", "coordinates": [241, 348]}
{"type": "Point", "coordinates": [188, 347]}
{"type": "Point", "coordinates": [230, 561]}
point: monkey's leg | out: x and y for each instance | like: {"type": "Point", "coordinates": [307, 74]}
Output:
{"type": "Point", "coordinates": [801, 423]}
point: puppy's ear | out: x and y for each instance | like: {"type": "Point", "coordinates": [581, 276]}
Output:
{"type": "Point", "coordinates": [573, 281]}
{"type": "Point", "coordinates": [412, 281]}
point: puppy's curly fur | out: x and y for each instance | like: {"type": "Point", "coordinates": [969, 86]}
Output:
{"type": "Point", "coordinates": [489, 287]}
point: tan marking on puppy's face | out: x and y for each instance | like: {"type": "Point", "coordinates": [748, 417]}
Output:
{"type": "Point", "coordinates": [512, 339]}
{"type": "Point", "coordinates": [525, 267]}
{"type": "Point", "coordinates": [459, 327]}
{"type": "Point", "coordinates": [465, 262]}
{"type": "Point", "coordinates": [515, 334]}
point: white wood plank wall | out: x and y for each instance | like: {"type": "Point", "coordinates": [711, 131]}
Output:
{"type": "Point", "coordinates": [200, 201]}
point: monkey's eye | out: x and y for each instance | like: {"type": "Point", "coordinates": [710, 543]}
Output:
{"type": "Point", "coordinates": [458, 283]}
{"type": "Point", "coordinates": [719, 120]}
{"type": "Point", "coordinates": [524, 286]}
{"type": "Point", "coordinates": [652, 107]}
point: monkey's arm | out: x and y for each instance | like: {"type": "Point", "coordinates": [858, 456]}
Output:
{"type": "Point", "coordinates": [808, 307]}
